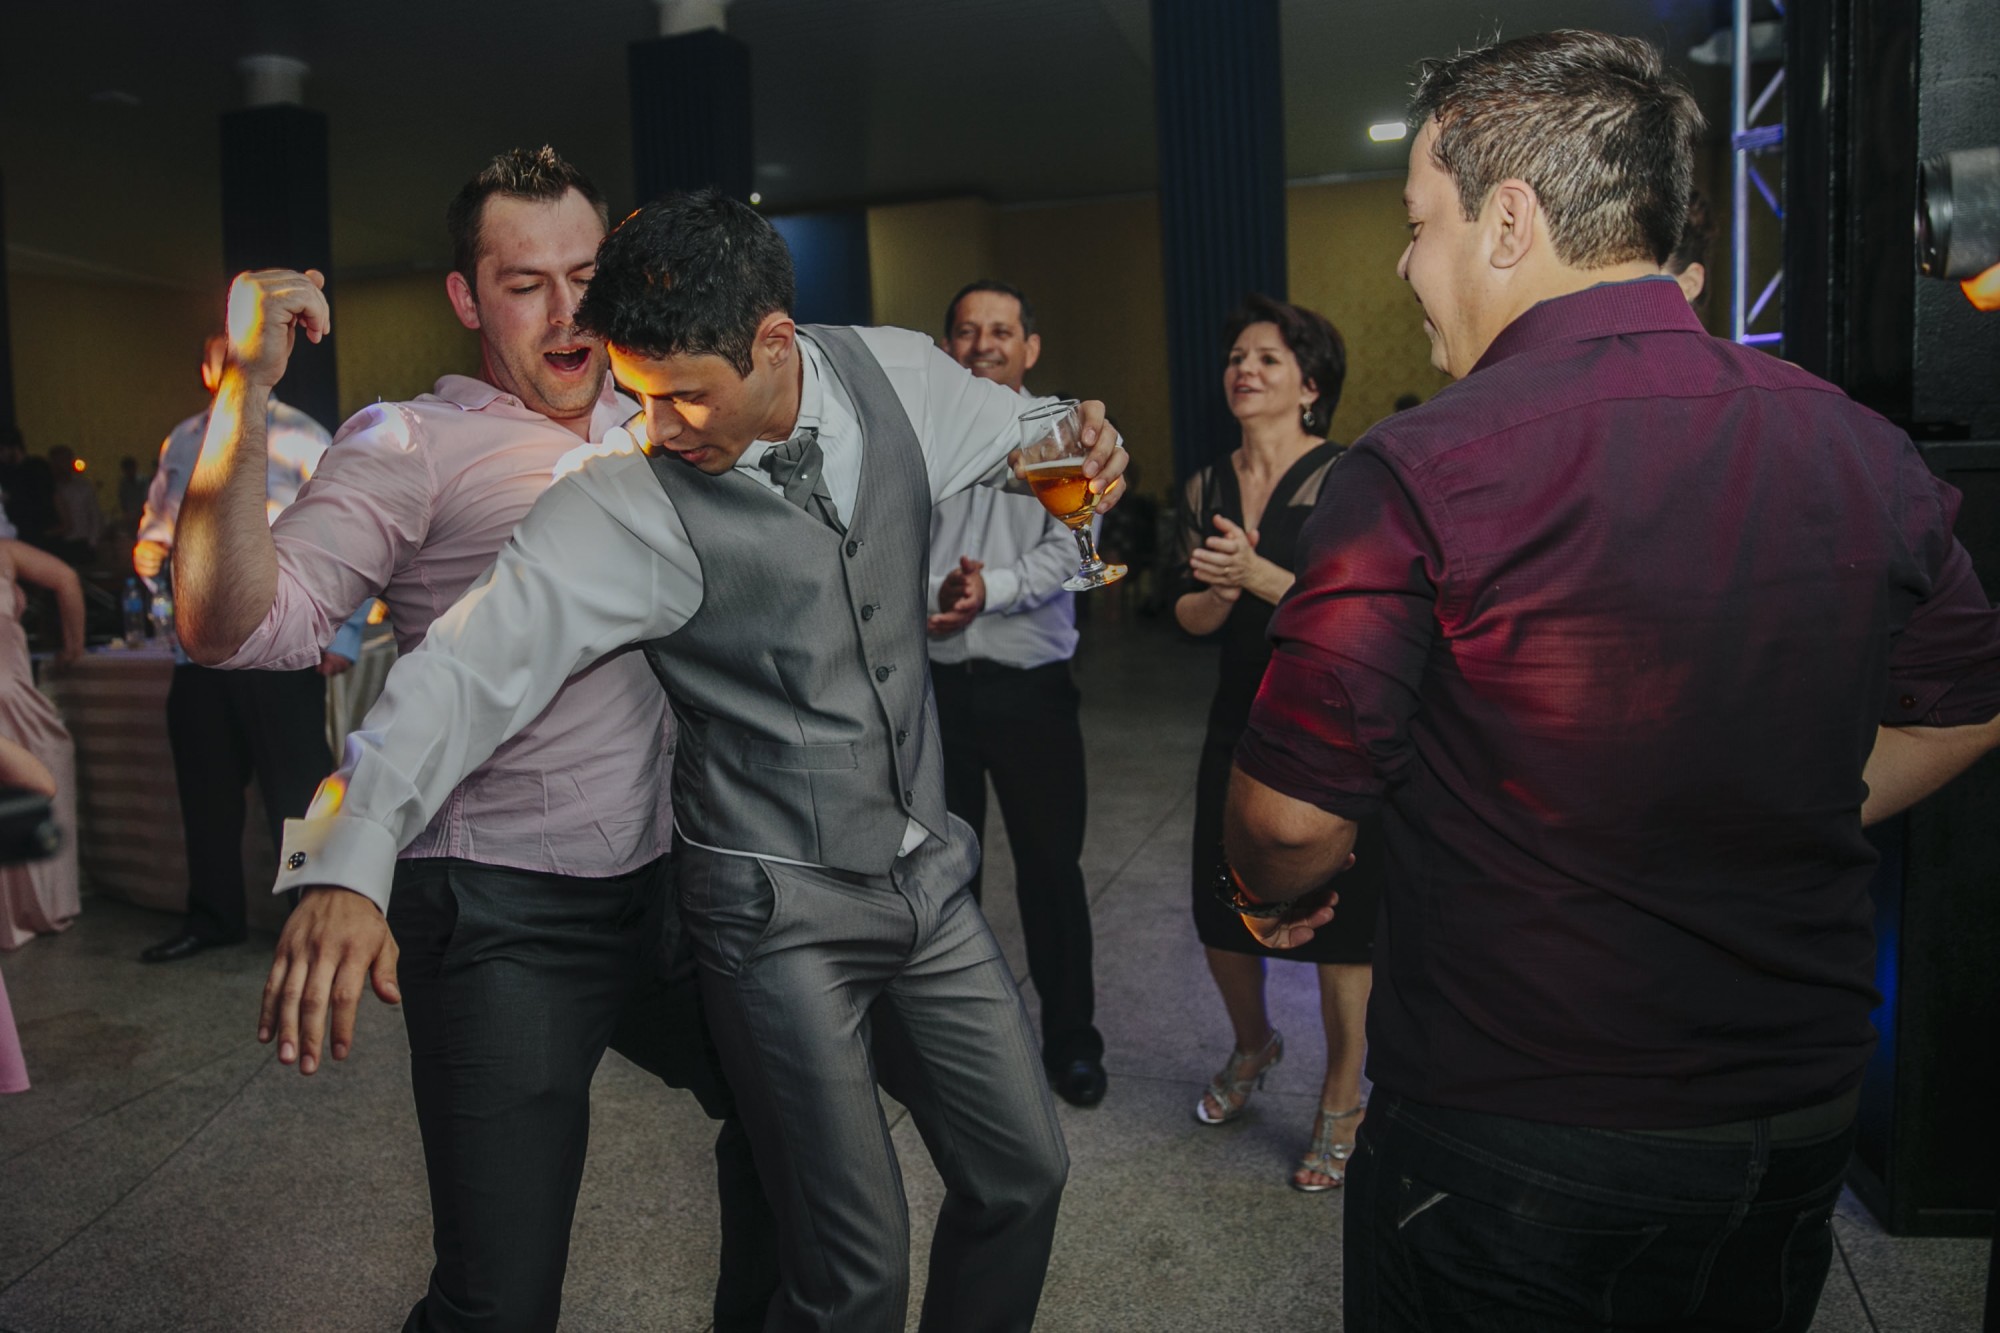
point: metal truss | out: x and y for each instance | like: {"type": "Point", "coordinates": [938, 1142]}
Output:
{"type": "Point", "coordinates": [1748, 142]}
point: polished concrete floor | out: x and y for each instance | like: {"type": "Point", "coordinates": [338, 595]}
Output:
{"type": "Point", "coordinates": [166, 1174]}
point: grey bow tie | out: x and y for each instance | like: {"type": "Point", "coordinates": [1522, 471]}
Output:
{"type": "Point", "coordinates": [799, 470]}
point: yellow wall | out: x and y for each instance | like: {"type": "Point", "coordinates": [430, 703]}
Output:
{"type": "Point", "coordinates": [920, 254]}
{"type": "Point", "coordinates": [1343, 241]}
{"type": "Point", "coordinates": [1093, 272]}
{"type": "Point", "coordinates": [107, 368]}
{"type": "Point", "coordinates": [393, 338]}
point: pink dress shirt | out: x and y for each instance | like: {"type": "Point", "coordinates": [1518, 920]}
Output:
{"type": "Point", "coordinates": [411, 504]}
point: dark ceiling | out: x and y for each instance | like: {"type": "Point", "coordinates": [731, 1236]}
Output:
{"type": "Point", "coordinates": [108, 109]}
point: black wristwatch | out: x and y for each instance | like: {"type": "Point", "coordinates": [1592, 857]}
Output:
{"type": "Point", "coordinates": [1229, 891]}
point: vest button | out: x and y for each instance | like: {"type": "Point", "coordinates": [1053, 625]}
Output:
{"type": "Point", "coordinates": [882, 672]}
{"type": "Point", "coordinates": [902, 736]}
{"type": "Point", "coordinates": [868, 612]}
{"type": "Point", "coordinates": [852, 547]}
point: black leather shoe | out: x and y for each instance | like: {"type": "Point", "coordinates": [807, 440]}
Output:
{"type": "Point", "coordinates": [1080, 1082]}
{"type": "Point", "coordinates": [181, 946]}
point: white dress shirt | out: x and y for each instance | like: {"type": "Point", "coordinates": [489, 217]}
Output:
{"type": "Point", "coordinates": [602, 561]}
{"type": "Point", "coordinates": [1029, 621]}
{"type": "Point", "coordinates": [293, 444]}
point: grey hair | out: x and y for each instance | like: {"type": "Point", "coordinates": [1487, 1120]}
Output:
{"type": "Point", "coordinates": [1593, 123]}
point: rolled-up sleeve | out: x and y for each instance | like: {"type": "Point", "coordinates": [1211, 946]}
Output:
{"type": "Point", "coordinates": [364, 514]}
{"type": "Point", "coordinates": [1331, 722]}
{"type": "Point", "coordinates": [1944, 667]}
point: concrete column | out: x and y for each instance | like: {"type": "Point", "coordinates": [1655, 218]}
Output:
{"type": "Point", "coordinates": [690, 90]}
{"type": "Point", "coordinates": [275, 205]}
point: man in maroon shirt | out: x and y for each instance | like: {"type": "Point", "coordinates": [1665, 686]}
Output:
{"type": "Point", "coordinates": [1624, 636]}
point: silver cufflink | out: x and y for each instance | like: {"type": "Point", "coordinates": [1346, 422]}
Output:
{"type": "Point", "coordinates": [295, 861]}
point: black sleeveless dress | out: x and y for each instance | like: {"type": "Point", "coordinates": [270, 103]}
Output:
{"type": "Point", "coordinates": [1245, 652]}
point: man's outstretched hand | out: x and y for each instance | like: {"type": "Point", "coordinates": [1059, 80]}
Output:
{"type": "Point", "coordinates": [334, 941]}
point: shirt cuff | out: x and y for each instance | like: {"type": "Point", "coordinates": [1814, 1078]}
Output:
{"type": "Point", "coordinates": [286, 639]}
{"type": "Point", "coordinates": [339, 850]}
{"type": "Point", "coordinates": [1967, 702]}
{"type": "Point", "coordinates": [1003, 589]}
{"type": "Point", "coordinates": [1304, 778]}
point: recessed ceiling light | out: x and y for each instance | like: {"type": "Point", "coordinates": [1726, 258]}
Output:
{"type": "Point", "coordinates": [1388, 131]}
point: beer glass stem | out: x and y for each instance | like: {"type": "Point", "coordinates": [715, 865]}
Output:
{"type": "Point", "coordinates": [1092, 563]}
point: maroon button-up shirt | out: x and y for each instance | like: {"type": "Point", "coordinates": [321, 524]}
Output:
{"type": "Point", "coordinates": [1603, 633]}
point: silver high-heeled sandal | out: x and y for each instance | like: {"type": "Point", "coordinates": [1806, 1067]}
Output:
{"type": "Point", "coordinates": [1243, 1074]}
{"type": "Point", "coordinates": [1327, 1156]}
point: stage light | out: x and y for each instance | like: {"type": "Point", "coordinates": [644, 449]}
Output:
{"type": "Point", "coordinates": [78, 464]}
{"type": "Point", "coordinates": [1958, 221]}
{"type": "Point", "coordinates": [755, 198]}
{"type": "Point", "coordinates": [1388, 131]}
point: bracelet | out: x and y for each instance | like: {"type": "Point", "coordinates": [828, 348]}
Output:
{"type": "Point", "coordinates": [1229, 891]}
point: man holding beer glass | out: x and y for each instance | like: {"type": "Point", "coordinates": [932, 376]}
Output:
{"type": "Point", "coordinates": [762, 536]}
{"type": "Point", "coordinates": [1002, 631]}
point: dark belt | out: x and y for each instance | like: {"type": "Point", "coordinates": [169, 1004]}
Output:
{"type": "Point", "coordinates": [984, 666]}
{"type": "Point", "coordinates": [1806, 1123]}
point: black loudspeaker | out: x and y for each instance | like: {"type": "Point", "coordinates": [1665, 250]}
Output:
{"type": "Point", "coordinates": [1926, 1163]}
{"type": "Point", "coordinates": [1872, 87]}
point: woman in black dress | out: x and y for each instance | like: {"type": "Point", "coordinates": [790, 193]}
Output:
{"type": "Point", "coordinates": [1240, 523]}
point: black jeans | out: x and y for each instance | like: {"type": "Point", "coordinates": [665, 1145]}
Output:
{"type": "Point", "coordinates": [223, 727]}
{"type": "Point", "coordinates": [1021, 727]}
{"type": "Point", "coordinates": [1462, 1221]}
{"type": "Point", "coordinates": [514, 983]}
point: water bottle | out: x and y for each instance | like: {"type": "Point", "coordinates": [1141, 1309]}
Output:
{"type": "Point", "coordinates": [163, 604]}
{"type": "Point", "coordinates": [135, 612]}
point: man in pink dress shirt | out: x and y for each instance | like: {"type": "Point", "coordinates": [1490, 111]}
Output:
{"type": "Point", "coordinates": [529, 918]}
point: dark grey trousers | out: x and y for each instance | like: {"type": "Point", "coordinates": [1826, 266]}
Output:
{"type": "Point", "coordinates": [794, 961]}
{"type": "Point", "coordinates": [514, 983]}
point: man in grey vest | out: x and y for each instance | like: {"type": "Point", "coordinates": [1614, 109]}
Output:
{"type": "Point", "coordinates": [765, 541]}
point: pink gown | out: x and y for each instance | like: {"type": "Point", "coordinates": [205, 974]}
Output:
{"type": "Point", "coordinates": [41, 897]}
{"type": "Point", "coordinates": [13, 1069]}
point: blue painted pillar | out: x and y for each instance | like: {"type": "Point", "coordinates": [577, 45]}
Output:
{"type": "Point", "coordinates": [275, 214]}
{"type": "Point", "coordinates": [690, 114]}
{"type": "Point", "coordinates": [830, 259]}
{"type": "Point", "coordinates": [1220, 119]}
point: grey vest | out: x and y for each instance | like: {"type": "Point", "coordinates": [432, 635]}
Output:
{"type": "Point", "coordinates": [801, 687]}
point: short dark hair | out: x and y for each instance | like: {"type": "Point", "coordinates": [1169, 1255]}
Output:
{"type": "Point", "coordinates": [519, 173]}
{"type": "Point", "coordinates": [1592, 122]}
{"type": "Point", "coordinates": [1697, 234]}
{"type": "Point", "coordinates": [689, 275]}
{"type": "Point", "coordinates": [991, 285]}
{"type": "Point", "coordinates": [1317, 346]}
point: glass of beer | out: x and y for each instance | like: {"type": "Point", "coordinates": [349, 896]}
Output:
{"type": "Point", "coordinates": [1053, 451]}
